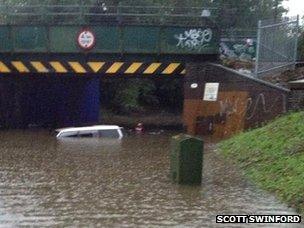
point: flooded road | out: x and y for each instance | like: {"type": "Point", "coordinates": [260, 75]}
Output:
{"type": "Point", "coordinates": [104, 183]}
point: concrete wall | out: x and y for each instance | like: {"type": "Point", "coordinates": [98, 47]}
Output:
{"type": "Point", "coordinates": [242, 101]}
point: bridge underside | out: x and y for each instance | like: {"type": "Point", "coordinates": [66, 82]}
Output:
{"type": "Point", "coordinates": [64, 90]}
{"type": "Point", "coordinates": [91, 68]}
{"type": "Point", "coordinates": [51, 57]}
{"type": "Point", "coordinates": [98, 65]}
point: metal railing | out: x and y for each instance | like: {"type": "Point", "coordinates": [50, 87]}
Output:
{"type": "Point", "coordinates": [276, 45]}
{"type": "Point", "coordinates": [92, 14]}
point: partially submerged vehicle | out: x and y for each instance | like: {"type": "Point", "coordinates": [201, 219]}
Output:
{"type": "Point", "coordinates": [104, 131]}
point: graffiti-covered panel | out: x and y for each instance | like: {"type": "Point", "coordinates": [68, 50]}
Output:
{"type": "Point", "coordinates": [243, 49]}
{"type": "Point", "coordinates": [190, 40]}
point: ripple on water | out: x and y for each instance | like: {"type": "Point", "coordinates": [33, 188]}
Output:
{"type": "Point", "coordinates": [93, 182]}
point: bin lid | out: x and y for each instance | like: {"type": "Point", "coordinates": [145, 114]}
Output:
{"type": "Point", "coordinates": [182, 137]}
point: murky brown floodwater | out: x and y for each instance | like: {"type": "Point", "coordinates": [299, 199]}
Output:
{"type": "Point", "coordinates": [93, 182]}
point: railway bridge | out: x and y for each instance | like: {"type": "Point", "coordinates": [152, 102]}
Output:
{"type": "Point", "coordinates": [52, 56]}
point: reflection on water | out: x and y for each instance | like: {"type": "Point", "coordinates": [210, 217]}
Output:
{"type": "Point", "coordinates": [94, 182]}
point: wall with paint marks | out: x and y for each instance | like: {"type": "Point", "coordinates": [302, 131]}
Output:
{"type": "Point", "coordinates": [242, 102]}
{"type": "Point", "coordinates": [243, 49]}
{"type": "Point", "coordinates": [194, 39]}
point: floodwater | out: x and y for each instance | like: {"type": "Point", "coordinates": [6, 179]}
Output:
{"type": "Point", "coordinates": [107, 183]}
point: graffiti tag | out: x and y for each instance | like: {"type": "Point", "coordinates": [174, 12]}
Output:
{"type": "Point", "coordinates": [244, 50]}
{"type": "Point", "coordinates": [229, 107]}
{"type": "Point", "coordinates": [194, 39]}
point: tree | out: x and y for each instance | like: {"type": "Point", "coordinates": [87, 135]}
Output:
{"type": "Point", "coordinates": [243, 10]}
{"type": "Point", "coordinates": [128, 95]}
{"type": "Point", "coordinates": [246, 13]}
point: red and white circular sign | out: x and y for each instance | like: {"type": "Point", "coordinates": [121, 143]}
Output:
{"type": "Point", "coordinates": [86, 39]}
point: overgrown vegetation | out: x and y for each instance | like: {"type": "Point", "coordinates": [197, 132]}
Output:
{"type": "Point", "coordinates": [137, 95]}
{"type": "Point", "coordinates": [233, 13]}
{"type": "Point", "coordinates": [273, 157]}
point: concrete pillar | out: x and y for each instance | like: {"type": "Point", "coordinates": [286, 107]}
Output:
{"type": "Point", "coordinates": [90, 102]}
{"type": "Point", "coordinates": [77, 102]}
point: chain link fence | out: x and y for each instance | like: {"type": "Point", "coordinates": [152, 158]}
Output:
{"type": "Point", "coordinates": [276, 45]}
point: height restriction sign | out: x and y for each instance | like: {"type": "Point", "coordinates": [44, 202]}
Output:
{"type": "Point", "coordinates": [86, 39]}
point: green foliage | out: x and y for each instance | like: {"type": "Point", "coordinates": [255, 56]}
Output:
{"type": "Point", "coordinates": [170, 94]}
{"type": "Point", "coordinates": [233, 13]}
{"type": "Point", "coordinates": [126, 95]}
{"type": "Point", "coordinates": [246, 13]}
{"type": "Point", "coordinates": [129, 94]}
{"type": "Point", "coordinates": [142, 95]}
{"type": "Point", "coordinates": [273, 156]}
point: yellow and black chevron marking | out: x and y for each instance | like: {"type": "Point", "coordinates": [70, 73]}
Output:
{"type": "Point", "coordinates": [92, 67]}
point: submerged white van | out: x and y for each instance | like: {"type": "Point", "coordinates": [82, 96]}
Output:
{"type": "Point", "coordinates": [104, 131]}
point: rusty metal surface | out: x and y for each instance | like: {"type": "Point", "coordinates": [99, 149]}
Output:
{"type": "Point", "coordinates": [220, 119]}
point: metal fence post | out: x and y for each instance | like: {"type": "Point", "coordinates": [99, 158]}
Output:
{"type": "Point", "coordinates": [276, 46]}
{"type": "Point", "coordinates": [296, 43]}
{"type": "Point", "coordinates": [258, 49]}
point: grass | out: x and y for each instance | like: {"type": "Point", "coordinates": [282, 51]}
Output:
{"type": "Point", "coordinates": [273, 157]}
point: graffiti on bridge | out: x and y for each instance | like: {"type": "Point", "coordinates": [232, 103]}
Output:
{"type": "Point", "coordinates": [194, 39]}
{"type": "Point", "coordinates": [244, 50]}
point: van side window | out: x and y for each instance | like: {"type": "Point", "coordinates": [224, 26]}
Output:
{"type": "Point", "coordinates": [69, 134]}
{"type": "Point", "coordinates": [109, 133]}
{"type": "Point", "coordinates": [87, 134]}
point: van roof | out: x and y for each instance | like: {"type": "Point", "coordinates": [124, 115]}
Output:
{"type": "Point", "coordinates": [89, 128]}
